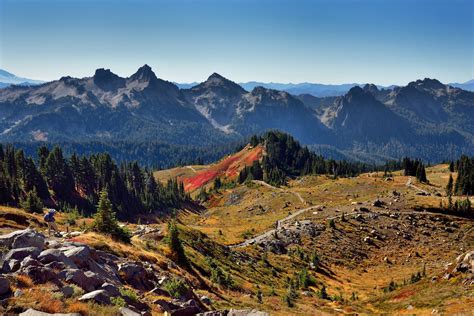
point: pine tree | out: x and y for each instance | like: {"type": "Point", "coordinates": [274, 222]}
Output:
{"type": "Point", "coordinates": [32, 203]}
{"type": "Point", "coordinates": [323, 294]}
{"type": "Point", "coordinates": [174, 242]}
{"type": "Point", "coordinates": [449, 186]}
{"type": "Point", "coordinates": [105, 221]}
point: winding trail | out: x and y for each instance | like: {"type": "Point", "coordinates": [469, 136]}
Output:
{"type": "Point", "coordinates": [411, 185]}
{"type": "Point", "coordinates": [280, 189]}
{"type": "Point", "coordinates": [192, 168]}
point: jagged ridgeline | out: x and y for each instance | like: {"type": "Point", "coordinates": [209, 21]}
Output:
{"type": "Point", "coordinates": [57, 181]}
{"type": "Point", "coordinates": [285, 157]}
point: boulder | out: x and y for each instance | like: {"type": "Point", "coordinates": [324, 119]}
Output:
{"type": "Point", "coordinates": [160, 292]}
{"type": "Point", "coordinates": [10, 266]}
{"type": "Point", "coordinates": [165, 305]}
{"type": "Point", "coordinates": [186, 311]}
{"type": "Point", "coordinates": [55, 265]}
{"type": "Point", "coordinates": [22, 253]}
{"type": "Point", "coordinates": [136, 275]}
{"type": "Point", "coordinates": [246, 312]}
{"type": "Point", "coordinates": [214, 313]}
{"type": "Point", "coordinates": [105, 271]}
{"type": "Point", "coordinates": [34, 312]}
{"type": "Point", "coordinates": [29, 261]}
{"type": "Point", "coordinates": [111, 289]}
{"type": "Point", "coordinates": [465, 262]}
{"type": "Point", "coordinates": [50, 255]}
{"type": "Point", "coordinates": [206, 300]}
{"type": "Point", "coordinates": [4, 286]}
{"type": "Point", "coordinates": [99, 296]}
{"type": "Point", "coordinates": [124, 311]}
{"type": "Point", "coordinates": [378, 203]}
{"type": "Point", "coordinates": [79, 255]}
{"type": "Point", "coordinates": [40, 274]}
{"type": "Point", "coordinates": [29, 238]}
{"type": "Point", "coordinates": [67, 291]}
{"type": "Point", "coordinates": [7, 240]}
{"type": "Point", "coordinates": [88, 281]}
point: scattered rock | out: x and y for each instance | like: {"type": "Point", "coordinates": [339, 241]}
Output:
{"type": "Point", "coordinates": [465, 262]}
{"type": "Point", "coordinates": [136, 275]}
{"type": "Point", "coordinates": [99, 296]}
{"type": "Point", "coordinates": [34, 312]}
{"type": "Point", "coordinates": [206, 300]}
{"type": "Point", "coordinates": [124, 311]}
{"type": "Point", "coordinates": [378, 203]}
{"type": "Point", "coordinates": [79, 255]}
{"type": "Point", "coordinates": [50, 255]}
{"type": "Point", "coordinates": [40, 274]}
{"type": "Point", "coordinates": [67, 291]}
{"type": "Point", "coordinates": [111, 289]}
{"type": "Point", "coordinates": [18, 293]}
{"type": "Point", "coordinates": [4, 286]}
{"type": "Point", "coordinates": [88, 281]}
{"type": "Point", "coordinates": [22, 253]}
{"type": "Point", "coordinates": [246, 312]}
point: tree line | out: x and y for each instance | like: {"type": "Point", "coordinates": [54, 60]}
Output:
{"type": "Point", "coordinates": [285, 158]}
{"type": "Point", "coordinates": [58, 181]}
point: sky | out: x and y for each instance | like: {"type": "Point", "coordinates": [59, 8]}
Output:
{"type": "Point", "coordinates": [323, 41]}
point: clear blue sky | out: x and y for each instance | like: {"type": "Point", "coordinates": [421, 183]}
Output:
{"type": "Point", "coordinates": [326, 41]}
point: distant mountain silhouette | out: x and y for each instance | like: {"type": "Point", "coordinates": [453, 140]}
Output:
{"type": "Point", "coordinates": [7, 79]}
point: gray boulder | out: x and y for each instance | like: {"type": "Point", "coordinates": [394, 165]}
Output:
{"type": "Point", "coordinates": [165, 305]}
{"type": "Point", "coordinates": [186, 311]}
{"type": "Point", "coordinates": [4, 286]}
{"type": "Point", "coordinates": [88, 281]}
{"type": "Point", "coordinates": [99, 296]}
{"type": "Point", "coordinates": [79, 255]}
{"type": "Point", "coordinates": [206, 300]}
{"type": "Point", "coordinates": [41, 274]}
{"type": "Point", "coordinates": [10, 266]}
{"type": "Point", "coordinates": [6, 240]}
{"type": "Point", "coordinates": [67, 291]}
{"type": "Point", "coordinates": [29, 238]}
{"type": "Point", "coordinates": [29, 261]}
{"type": "Point", "coordinates": [124, 311]}
{"type": "Point", "coordinates": [51, 255]}
{"type": "Point", "coordinates": [246, 312]}
{"type": "Point", "coordinates": [111, 289]}
{"type": "Point", "coordinates": [34, 312]}
{"type": "Point", "coordinates": [137, 276]}
{"type": "Point", "coordinates": [21, 253]}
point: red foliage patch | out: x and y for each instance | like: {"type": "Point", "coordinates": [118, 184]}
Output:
{"type": "Point", "coordinates": [228, 167]}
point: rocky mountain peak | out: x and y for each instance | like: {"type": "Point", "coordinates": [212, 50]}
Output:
{"type": "Point", "coordinates": [144, 73]}
{"type": "Point", "coordinates": [107, 80]}
{"type": "Point", "coordinates": [370, 87]}
{"type": "Point", "coordinates": [427, 83]}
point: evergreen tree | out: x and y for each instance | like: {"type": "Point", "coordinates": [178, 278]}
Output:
{"type": "Point", "coordinates": [451, 166]}
{"type": "Point", "coordinates": [58, 175]}
{"type": "Point", "coordinates": [105, 221]}
{"type": "Point", "coordinates": [32, 203]}
{"type": "Point", "coordinates": [174, 243]}
{"type": "Point", "coordinates": [449, 186]}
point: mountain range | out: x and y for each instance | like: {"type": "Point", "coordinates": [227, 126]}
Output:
{"type": "Point", "coordinates": [7, 79]}
{"type": "Point", "coordinates": [425, 119]}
